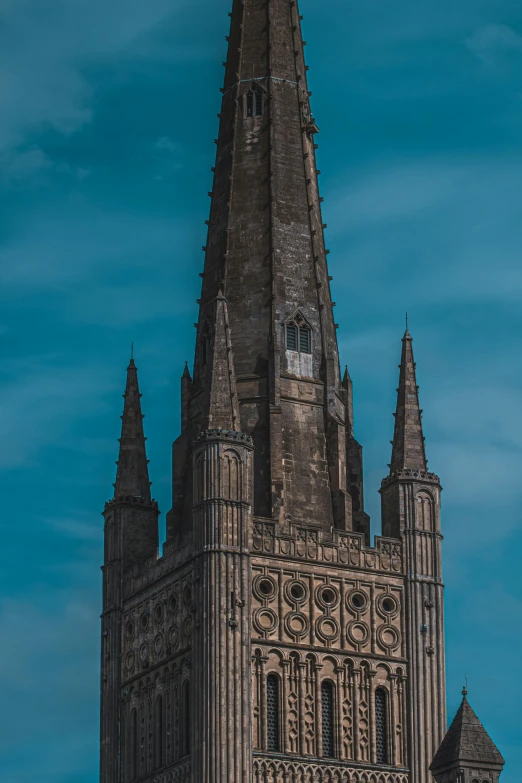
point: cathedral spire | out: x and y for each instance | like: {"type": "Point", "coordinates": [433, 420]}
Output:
{"type": "Point", "coordinates": [265, 252]}
{"type": "Point", "coordinates": [132, 478]}
{"type": "Point", "coordinates": [408, 452]}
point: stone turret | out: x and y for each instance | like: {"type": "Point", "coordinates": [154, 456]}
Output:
{"type": "Point", "coordinates": [467, 754]}
{"type": "Point", "coordinates": [411, 512]}
{"type": "Point", "coordinates": [131, 535]}
{"type": "Point", "coordinates": [222, 519]}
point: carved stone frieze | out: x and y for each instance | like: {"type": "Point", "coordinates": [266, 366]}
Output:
{"type": "Point", "coordinates": [344, 549]}
{"type": "Point", "coordinates": [273, 770]}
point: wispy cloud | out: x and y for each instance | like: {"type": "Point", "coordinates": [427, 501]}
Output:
{"type": "Point", "coordinates": [493, 43]}
{"type": "Point", "coordinates": [46, 51]}
{"type": "Point", "coordinates": [469, 209]}
{"type": "Point", "coordinates": [82, 529]}
{"type": "Point", "coordinates": [38, 404]}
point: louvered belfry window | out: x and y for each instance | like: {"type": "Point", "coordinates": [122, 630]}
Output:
{"type": "Point", "coordinates": [254, 102]}
{"type": "Point", "coordinates": [327, 695]}
{"type": "Point", "coordinates": [381, 726]}
{"type": "Point", "coordinates": [272, 713]}
{"type": "Point", "coordinates": [298, 335]}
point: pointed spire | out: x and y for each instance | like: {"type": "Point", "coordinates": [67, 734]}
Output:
{"type": "Point", "coordinates": [132, 477]}
{"type": "Point", "coordinates": [408, 452]}
{"type": "Point", "coordinates": [222, 409]}
{"type": "Point", "coordinates": [348, 385]}
{"type": "Point", "coordinates": [466, 741]}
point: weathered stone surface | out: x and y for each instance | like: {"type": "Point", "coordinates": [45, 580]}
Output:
{"type": "Point", "coordinates": [270, 643]}
{"type": "Point", "coordinates": [467, 750]}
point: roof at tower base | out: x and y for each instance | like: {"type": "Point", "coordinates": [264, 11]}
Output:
{"type": "Point", "coordinates": [466, 741]}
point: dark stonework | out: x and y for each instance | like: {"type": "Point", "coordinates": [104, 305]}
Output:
{"type": "Point", "coordinates": [467, 754]}
{"type": "Point", "coordinates": [271, 643]}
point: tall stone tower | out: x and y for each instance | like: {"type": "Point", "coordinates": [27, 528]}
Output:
{"type": "Point", "coordinates": [271, 643]}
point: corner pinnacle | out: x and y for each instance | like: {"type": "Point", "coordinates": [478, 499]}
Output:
{"type": "Point", "coordinates": [132, 477]}
{"type": "Point", "coordinates": [408, 450]}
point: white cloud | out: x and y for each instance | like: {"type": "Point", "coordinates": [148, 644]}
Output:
{"type": "Point", "coordinates": [492, 42]}
{"type": "Point", "coordinates": [46, 48]}
{"type": "Point", "coordinates": [39, 403]}
{"type": "Point", "coordinates": [82, 529]}
{"type": "Point", "coordinates": [56, 632]}
{"type": "Point", "coordinates": [450, 229]}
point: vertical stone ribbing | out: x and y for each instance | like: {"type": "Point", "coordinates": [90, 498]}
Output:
{"type": "Point", "coordinates": [222, 748]}
{"type": "Point", "coordinates": [411, 511]}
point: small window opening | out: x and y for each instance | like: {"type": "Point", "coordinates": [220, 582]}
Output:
{"type": "Point", "coordinates": [185, 745]}
{"type": "Point", "coordinates": [254, 102]}
{"type": "Point", "coordinates": [159, 732]}
{"type": "Point", "coordinates": [298, 335]}
{"type": "Point", "coordinates": [272, 713]}
{"type": "Point", "coordinates": [381, 726]}
{"type": "Point", "coordinates": [327, 695]}
{"type": "Point", "coordinates": [134, 745]}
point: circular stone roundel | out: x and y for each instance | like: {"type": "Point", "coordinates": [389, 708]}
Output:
{"type": "Point", "coordinates": [187, 626]}
{"type": "Point", "coordinates": [388, 606]}
{"type": "Point", "coordinates": [265, 621]}
{"type": "Point", "coordinates": [327, 628]}
{"type": "Point", "coordinates": [357, 601]}
{"type": "Point", "coordinates": [297, 624]}
{"type": "Point", "coordinates": [388, 637]}
{"type": "Point", "coordinates": [130, 660]}
{"type": "Point", "coordinates": [296, 592]}
{"type": "Point", "coordinates": [264, 588]}
{"type": "Point", "coordinates": [358, 632]}
{"type": "Point", "coordinates": [158, 643]}
{"type": "Point", "coordinates": [174, 636]}
{"type": "Point", "coordinates": [144, 653]}
{"type": "Point", "coordinates": [327, 596]}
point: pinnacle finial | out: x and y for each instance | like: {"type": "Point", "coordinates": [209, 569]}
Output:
{"type": "Point", "coordinates": [132, 353]}
{"type": "Point", "coordinates": [133, 475]}
{"type": "Point", "coordinates": [408, 451]}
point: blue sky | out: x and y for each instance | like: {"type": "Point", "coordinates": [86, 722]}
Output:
{"type": "Point", "coordinates": [107, 120]}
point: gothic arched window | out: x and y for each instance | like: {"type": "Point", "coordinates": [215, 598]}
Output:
{"type": "Point", "coordinates": [425, 516]}
{"type": "Point", "coordinates": [272, 713]}
{"type": "Point", "coordinates": [381, 726]}
{"type": "Point", "coordinates": [133, 745]}
{"type": "Point", "coordinates": [298, 335]}
{"type": "Point", "coordinates": [254, 102]}
{"type": "Point", "coordinates": [185, 707]}
{"type": "Point", "coordinates": [327, 711]}
{"type": "Point", "coordinates": [231, 476]}
{"type": "Point", "coordinates": [159, 732]}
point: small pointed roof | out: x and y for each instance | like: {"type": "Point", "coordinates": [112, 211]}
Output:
{"type": "Point", "coordinates": [348, 385]}
{"type": "Point", "coordinates": [222, 409]}
{"type": "Point", "coordinates": [466, 741]}
{"type": "Point", "coordinates": [132, 477]}
{"type": "Point", "coordinates": [408, 450]}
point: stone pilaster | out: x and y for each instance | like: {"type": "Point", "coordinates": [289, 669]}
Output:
{"type": "Point", "coordinates": [222, 682]}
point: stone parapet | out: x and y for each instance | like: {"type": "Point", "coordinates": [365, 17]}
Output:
{"type": "Point", "coordinates": [341, 548]}
{"type": "Point", "coordinates": [303, 770]}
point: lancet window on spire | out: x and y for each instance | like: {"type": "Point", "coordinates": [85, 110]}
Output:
{"type": "Point", "coordinates": [298, 335]}
{"type": "Point", "coordinates": [253, 102]}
